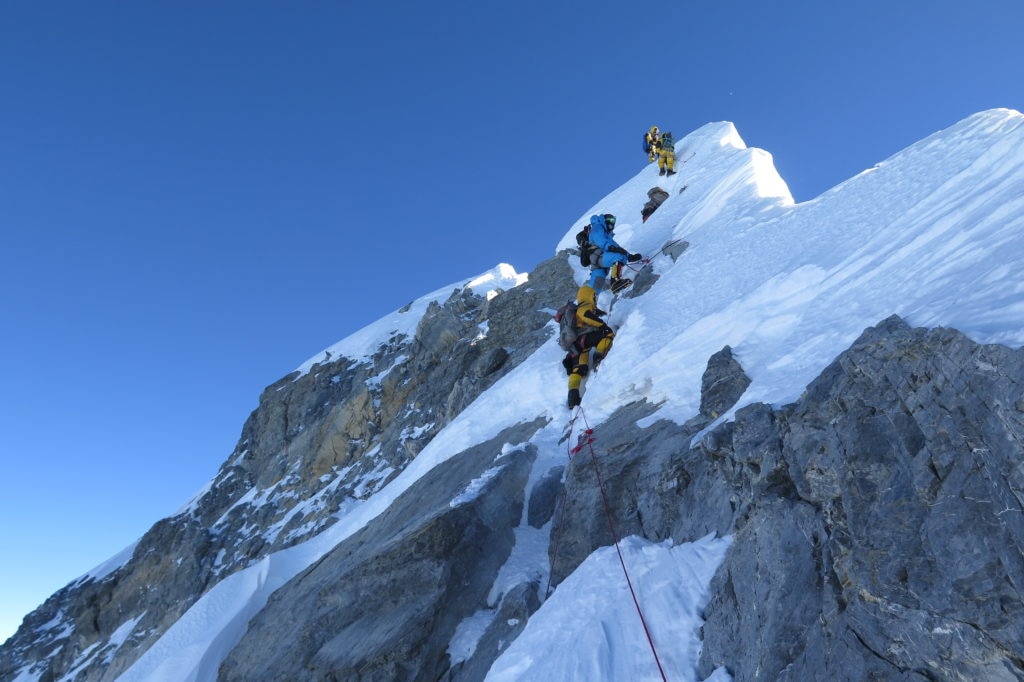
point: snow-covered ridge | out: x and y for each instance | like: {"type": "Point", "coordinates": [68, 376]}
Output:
{"type": "Point", "coordinates": [931, 234]}
{"type": "Point", "coordinates": [363, 343]}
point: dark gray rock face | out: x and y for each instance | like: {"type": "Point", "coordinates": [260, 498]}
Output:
{"type": "Point", "coordinates": [878, 522]}
{"type": "Point", "coordinates": [723, 384]}
{"type": "Point", "coordinates": [384, 604]}
{"type": "Point", "coordinates": [892, 547]}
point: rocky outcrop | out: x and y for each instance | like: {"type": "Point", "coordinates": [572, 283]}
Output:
{"type": "Point", "coordinates": [887, 542]}
{"type": "Point", "coordinates": [878, 521]}
{"type": "Point", "coordinates": [384, 604]}
{"type": "Point", "coordinates": [338, 432]}
{"type": "Point", "coordinates": [722, 385]}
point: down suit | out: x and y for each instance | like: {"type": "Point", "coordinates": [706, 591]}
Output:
{"type": "Point", "coordinates": [594, 336]}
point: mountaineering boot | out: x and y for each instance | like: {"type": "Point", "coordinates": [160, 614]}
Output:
{"type": "Point", "coordinates": [568, 361]}
{"type": "Point", "coordinates": [598, 357]}
{"type": "Point", "coordinates": [661, 171]}
{"type": "Point", "coordinates": [574, 397]}
{"type": "Point", "coordinates": [618, 285]}
{"type": "Point", "coordinates": [671, 172]}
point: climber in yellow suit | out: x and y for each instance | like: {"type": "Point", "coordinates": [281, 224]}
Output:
{"type": "Point", "coordinates": [651, 144]}
{"type": "Point", "coordinates": [666, 155]}
{"type": "Point", "coordinates": [593, 334]}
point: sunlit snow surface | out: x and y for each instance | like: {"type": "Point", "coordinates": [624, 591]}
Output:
{"type": "Point", "coordinates": [590, 628]}
{"type": "Point", "coordinates": [934, 234]}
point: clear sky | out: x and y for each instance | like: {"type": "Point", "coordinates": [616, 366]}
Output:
{"type": "Point", "coordinates": [196, 197]}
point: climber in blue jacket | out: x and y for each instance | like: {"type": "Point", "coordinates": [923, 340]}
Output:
{"type": "Point", "coordinates": [612, 256]}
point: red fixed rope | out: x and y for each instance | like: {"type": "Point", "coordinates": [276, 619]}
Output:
{"type": "Point", "coordinates": [586, 440]}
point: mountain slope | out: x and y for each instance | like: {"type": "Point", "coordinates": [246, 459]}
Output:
{"type": "Point", "coordinates": [427, 453]}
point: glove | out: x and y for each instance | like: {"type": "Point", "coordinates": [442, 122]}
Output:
{"type": "Point", "coordinates": [617, 249]}
{"type": "Point", "coordinates": [634, 257]}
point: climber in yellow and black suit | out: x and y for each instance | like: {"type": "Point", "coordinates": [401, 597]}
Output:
{"type": "Point", "coordinates": [651, 144]}
{"type": "Point", "coordinates": [594, 335]}
{"type": "Point", "coordinates": [666, 155]}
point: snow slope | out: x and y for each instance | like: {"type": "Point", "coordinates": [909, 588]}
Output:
{"type": "Point", "coordinates": [932, 234]}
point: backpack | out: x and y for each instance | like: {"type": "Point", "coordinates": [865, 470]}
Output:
{"type": "Point", "coordinates": [657, 195]}
{"type": "Point", "coordinates": [667, 141]}
{"type": "Point", "coordinates": [567, 329]}
{"type": "Point", "coordinates": [590, 254]}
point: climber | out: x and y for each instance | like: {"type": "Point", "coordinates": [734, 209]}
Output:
{"type": "Point", "coordinates": [594, 335]}
{"type": "Point", "coordinates": [655, 197]}
{"type": "Point", "coordinates": [609, 261]}
{"type": "Point", "coordinates": [666, 154]}
{"type": "Point", "coordinates": [651, 144]}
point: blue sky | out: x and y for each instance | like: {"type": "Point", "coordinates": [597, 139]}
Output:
{"type": "Point", "coordinates": [195, 199]}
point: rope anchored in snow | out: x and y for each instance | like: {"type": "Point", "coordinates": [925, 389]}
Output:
{"type": "Point", "coordinates": [644, 262]}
